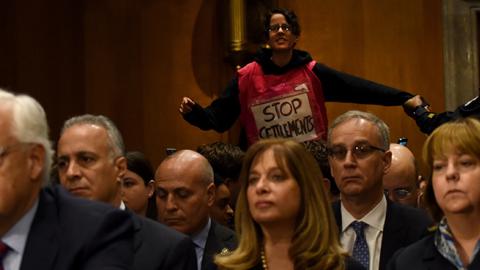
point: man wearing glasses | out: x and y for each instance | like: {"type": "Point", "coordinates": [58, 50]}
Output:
{"type": "Point", "coordinates": [371, 227]}
{"type": "Point", "coordinates": [400, 181]}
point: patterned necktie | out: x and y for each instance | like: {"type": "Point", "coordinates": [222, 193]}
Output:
{"type": "Point", "coordinates": [360, 247]}
{"type": "Point", "coordinates": [3, 252]}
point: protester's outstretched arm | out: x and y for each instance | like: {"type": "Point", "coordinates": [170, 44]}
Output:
{"type": "Point", "coordinates": [220, 115]}
{"type": "Point", "coordinates": [418, 108]}
{"type": "Point", "coordinates": [342, 87]}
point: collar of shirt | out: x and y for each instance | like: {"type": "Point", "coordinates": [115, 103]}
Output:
{"type": "Point", "coordinates": [445, 244]}
{"type": "Point", "coordinates": [373, 233]}
{"type": "Point", "coordinates": [375, 218]}
{"type": "Point", "coordinates": [122, 206]}
{"type": "Point", "coordinates": [16, 237]}
{"type": "Point", "coordinates": [200, 238]}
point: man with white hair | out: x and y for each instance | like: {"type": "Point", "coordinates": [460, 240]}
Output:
{"type": "Point", "coordinates": [45, 228]}
{"type": "Point", "coordinates": [185, 194]}
{"type": "Point", "coordinates": [91, 164]}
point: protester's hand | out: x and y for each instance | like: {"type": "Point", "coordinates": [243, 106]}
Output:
{"type": "Point", "coordinates": [410, 105]}
{"type": "Point", "coordinates": [186, 105]}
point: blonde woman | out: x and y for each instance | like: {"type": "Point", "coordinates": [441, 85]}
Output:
{"type": "Point", "coordinates": [284, 218]}
{"type": "Point", "coordinates": [452, 154]}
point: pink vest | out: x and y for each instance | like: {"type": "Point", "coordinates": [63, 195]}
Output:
{"type": "Point", "coordinates": [290, 105]}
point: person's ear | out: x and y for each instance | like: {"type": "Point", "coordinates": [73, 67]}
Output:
{"type": "Point", "coordinates": [36, 159]}
{"type": "Point", "coordinates": [387, 161]}
{"type": "Point", "coordinates": [210, 194]}
{"type": "Point", "coordinates": [151, 188]}
{"type": "Point", "coordinates": [121, 167]}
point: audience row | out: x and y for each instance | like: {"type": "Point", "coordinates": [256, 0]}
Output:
{"type": "Point", "coordinates": [352, 202]}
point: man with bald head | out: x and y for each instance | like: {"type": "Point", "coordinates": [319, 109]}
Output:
{"type": "Point", "coordinates": [91, 163]}
{"type": "Point", "coordinates": [185, 194]}
{"type": "Point", "coordinates": [400, 180]}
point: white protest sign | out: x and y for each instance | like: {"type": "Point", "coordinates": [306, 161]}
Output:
{"type": "Point", "coordinates": [286, 117]}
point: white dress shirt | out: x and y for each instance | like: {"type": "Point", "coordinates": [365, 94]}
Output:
{"type": "Point", "coordinates": [16, 239]}
{"type": "Point", "coordinates": [373, 233]}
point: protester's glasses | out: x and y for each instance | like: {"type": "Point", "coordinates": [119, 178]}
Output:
{"type": "Point", "coordinates": [359, 151]}
{"type": "Point", "coordinates": [275, 27]}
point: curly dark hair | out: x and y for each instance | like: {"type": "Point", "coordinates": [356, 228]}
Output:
{"type": "Point", "coordinates": [289, 15]}
{"type": "Point", "coordinates": [320, 152]}
{"type": "Point", "coordinates": [226, 159]}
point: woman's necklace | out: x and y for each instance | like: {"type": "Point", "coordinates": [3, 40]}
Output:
{"type": "Point", "coordinates": [264, 259]}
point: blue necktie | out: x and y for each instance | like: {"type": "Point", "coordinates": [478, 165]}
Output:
{"type": "Point", "coordinates": [360, 248]}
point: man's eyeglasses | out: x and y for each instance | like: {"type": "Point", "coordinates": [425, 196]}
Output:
{"type": "Point", "coordinates": [359, 151]}
{"type": "Point", "coordinates": [275, 27]}
{"type": "Point", "coordinates": [399, 193]}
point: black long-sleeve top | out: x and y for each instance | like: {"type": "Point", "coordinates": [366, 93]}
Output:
{"type": "Point", "coordinates": [337, 86]}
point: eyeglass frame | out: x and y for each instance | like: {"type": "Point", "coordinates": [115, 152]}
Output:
{"type": "Point", "coordinates": [396, 190]}
{"type": "Point", "coordinates": [276, 27]}
{"type": "Point", "coordinates": [355, 151]}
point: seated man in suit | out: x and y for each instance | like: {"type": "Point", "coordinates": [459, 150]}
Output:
{"type": "Point", "coordinates": [371, 227]}
{"type": "Point", "coordinates": [401, 180]}
{"type": "Point", "coordinates": [185, 193]}
{"type": "Point", "coordinates": [91, 164]}
{"type": "Point", "coordinates": [45, 228]}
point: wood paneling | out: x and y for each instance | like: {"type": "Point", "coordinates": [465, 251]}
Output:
{"type": "Point", "coordinates": [395, 42]}
{"type": "Point", "coordinates": [41, 54]}
{"type": "Point", "coordinates": [134, 60]}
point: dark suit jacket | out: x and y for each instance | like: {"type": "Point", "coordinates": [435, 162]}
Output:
{"type": "Point", "coordinates": [219, 237]}
{"type": "Point", "coordinates": [403, 226]}
{"type": "Point", "coordinates": [73, 233]}
{"type": "Point", "coordinates": [423, 255]}
{"type": "Point", "coordinates": [160, 247]}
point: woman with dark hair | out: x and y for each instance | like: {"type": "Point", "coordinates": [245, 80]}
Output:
{"type": "Point", "coordinates": [283, 218]}
{"type": "Point", "coordinates": [452, 195]}
{"type": "Point", "coordinates": [282, 93]}
{"type": "Point", "coordinates": [138, 186]}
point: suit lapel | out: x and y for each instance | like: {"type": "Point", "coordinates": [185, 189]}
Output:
{"type": "Point", "coordinates": [211, 246]}
{"type": "Point", "coordinates": [433, 260]}
{"type": "Point", "coordinates": [137, 227]}
{"type": "Point", "coordinates": [393, 234]}
{"type": "Point", "coordinates": [338, 216]}
{"type": "Point", "coordinates": [42, 243]}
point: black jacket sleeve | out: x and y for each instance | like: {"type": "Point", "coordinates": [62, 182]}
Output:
{"type": "Point", "coordinates": [221, 114]}
{"type": "Point", "coordinates": [342, 87]}
{"type": "Point", "coordinates": [429, 121]}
